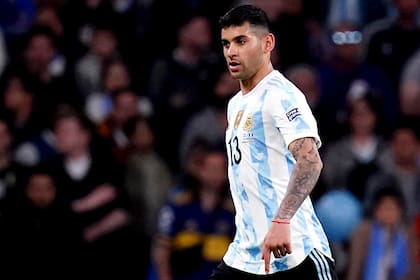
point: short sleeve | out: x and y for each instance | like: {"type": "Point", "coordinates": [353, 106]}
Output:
{"type": "Point", "coordinates": [291, 114]}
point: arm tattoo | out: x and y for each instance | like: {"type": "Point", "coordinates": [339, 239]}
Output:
{"type": "Point", "coordinates": [304, 177]}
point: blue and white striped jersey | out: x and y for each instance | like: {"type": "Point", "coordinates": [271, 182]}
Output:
{"type": "Point", "coordinates": [261, 125]}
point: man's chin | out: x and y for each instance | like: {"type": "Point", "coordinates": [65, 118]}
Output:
{"type": "Point", "coordinates": [235, 75]}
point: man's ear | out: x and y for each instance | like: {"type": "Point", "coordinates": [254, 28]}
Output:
{"type": "Point", "coordinates": [269, 42]}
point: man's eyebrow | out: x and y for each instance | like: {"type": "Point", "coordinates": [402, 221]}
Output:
{"type": "Point", "coordinates": [237, 38]}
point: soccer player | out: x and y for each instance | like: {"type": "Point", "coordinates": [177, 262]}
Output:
{"type": "Point", "coordinates": [272, 142]}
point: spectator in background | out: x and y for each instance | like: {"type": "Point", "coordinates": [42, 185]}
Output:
{"type": "Point", "coordinates": [19, 104]}
{"type": "Point", "coordinates": [125, 105]}
{"type": "Point", "coordinates": [42, 57]}
{"type": "Point", "coordinates": [48, 14]}
{"type": "Point", "coordinates": [352, 159]}
{"type": "Point", "coordinates": [131, 20]}
{"type": "Point", "coordinates": [180, 84]}
{"type": "Point", "coordinates": [79, 29]}
{"type": "Point", "coordinates": [114, 77]}
{"type": "Point", "coordinates": [45, 66]}
{"type": "Point", "coordinates": [198, 227]}
{"type": "Point", "coordinates": [163, 9]}
{"type": "Point", "coordinates": [390, 45]}
{"type": "Point", "coordinates": [38, 230]}
{"type": "Point", "coordinates": [402, 167]}
{"type": "Point", "coordinates": [147, 177]}
{"type": "Point", "coordinates": [103, 46]}
{"type": "Point", "coordinates": [90, 180]}
{"type": "Point", "coordinates": [186, 178]}
{"type": "Point", "coordinates": [409, 90]}
{"type": "Point", "coordinates": [209, 124]}
{"type": "Point", "coordinates": [381, 246]}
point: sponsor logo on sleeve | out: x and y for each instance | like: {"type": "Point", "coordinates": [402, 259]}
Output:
{"type": "Point", "coordinates": [293, 113]}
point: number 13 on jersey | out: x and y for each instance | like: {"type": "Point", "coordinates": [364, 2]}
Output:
{"type": "Point", "coordinates": [234, 150]}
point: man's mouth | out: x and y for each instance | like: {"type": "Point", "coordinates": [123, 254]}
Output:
{"type": "Point", "coordinates": [234, 66]}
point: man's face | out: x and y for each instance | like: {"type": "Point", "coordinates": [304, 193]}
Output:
{"type": "Point", "coordinates": [116, 77]}
{"type": "Point", "coordinates": [39, 53]}
{"type": "Point", "coordinates": [15, 94]}
{"type": "Point", "coordinates": [243, 49]}
{"type": "Point", "coordinates": [70, 136]}
{"type": "Point", "coordinates": [388, 212]}
{"type": "Point", "coordinates": [198, 33]}
{"type": "Point", "coordinates": [404, 146]}
{"type": "Point", "coordinates": [212, 172]}
{"type": "Point", "coordinates": [125, 107]}
{"type": "Point", "coordinates": [103, 43]}
{"type": "Point", "coordinates": [41, 190]}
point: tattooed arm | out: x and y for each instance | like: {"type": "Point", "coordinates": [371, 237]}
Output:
{"type": "Point", "coordinates": [302, 181]}
{"type": "Point", "coordinates": [304, 177]}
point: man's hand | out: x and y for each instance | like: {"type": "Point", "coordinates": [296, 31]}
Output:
{"type": "Point", "coordinates": [277, 241]}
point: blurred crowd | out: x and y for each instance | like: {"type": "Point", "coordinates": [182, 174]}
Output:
{"type": "Point", "coordinates": [112, 120]}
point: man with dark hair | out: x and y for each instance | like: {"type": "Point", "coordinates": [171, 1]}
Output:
{"type": "Point", "coordinates": [272, 144]}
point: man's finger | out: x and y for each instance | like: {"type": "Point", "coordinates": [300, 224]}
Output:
{"type": "Point", "coordinates": [277, 253]}
{"type": "Point", "coordinates": [282, 251]}
{"type": "Point", "coordinates": [288, 248]}
{"type": "Point", "coordinates": [266, 258]}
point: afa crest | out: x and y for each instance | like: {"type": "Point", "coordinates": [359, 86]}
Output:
{"type": "Point", "coordinates": [249, 123]}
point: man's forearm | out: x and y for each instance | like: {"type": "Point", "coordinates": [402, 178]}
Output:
{"type": "Point", "coordinates": [161, 254]}
{"type": "Point", "coordinates": [303, 179]}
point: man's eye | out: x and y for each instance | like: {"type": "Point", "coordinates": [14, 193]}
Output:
{"type": "Point", "coordinates": [242, 42]}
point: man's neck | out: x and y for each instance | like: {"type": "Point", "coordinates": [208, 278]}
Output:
{"type": "Point", "coordinates": [251, 83]}
{"type": "Point", "coordinates": [78, 154]}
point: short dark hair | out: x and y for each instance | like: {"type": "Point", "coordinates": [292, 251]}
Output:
{"type": "Point", "coordinates": [40, 30]}
{"type": "Point", "coordinates": [388, 191]}
{"type": "Point", "coordinates": [66, 111]}
{"type": "Point", "coordinates": [239, 15]}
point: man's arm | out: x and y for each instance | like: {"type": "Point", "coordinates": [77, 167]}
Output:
{"type": "Point", "coordinates": [304, 176]}
{"type": "Point", "coordinates": [303, 179]}
{"type": "Point", "coordinates": [161, 254]}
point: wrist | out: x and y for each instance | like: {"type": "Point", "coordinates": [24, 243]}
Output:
{"type": "Point", "coordinates": [280, 221]}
